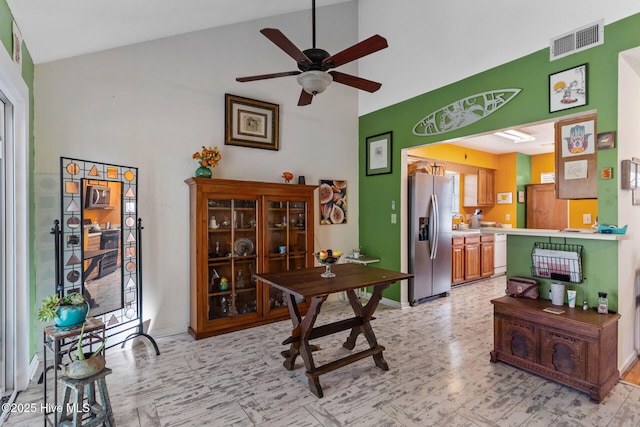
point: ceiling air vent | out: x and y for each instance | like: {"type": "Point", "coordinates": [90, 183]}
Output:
{"type": "Point", "coordinates": [575, 41]}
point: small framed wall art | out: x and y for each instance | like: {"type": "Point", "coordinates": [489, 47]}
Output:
{"type": "Point", "coordinates": [333, 201]}
{"type": "Point", "coordinates": [379, 154]}
{"type": "Point", "coordinates": [504, 198]}
{"type": "Point", "coordinates": [17, 45]}
{"type": "Point", "coordinates": [251, 123]}
{"type": "Point", "coordinates": [568, 88]}
{"type": "Point", "coordinates": [606, 140]}
{"type": "Point", "coordinates": [629, 174]}
{"type": "Point", "coordinates": [606, 173]}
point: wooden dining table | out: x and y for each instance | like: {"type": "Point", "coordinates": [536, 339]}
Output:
{"type": "Point", "coordinates": [96, 256]}
{"type": "Point", "coordinates": [307, 284]}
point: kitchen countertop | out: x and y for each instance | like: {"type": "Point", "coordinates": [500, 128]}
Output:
{"type": "Point", "coordinates": [462, 233]}
{"type": "Point", "coordinates": [586, 234]}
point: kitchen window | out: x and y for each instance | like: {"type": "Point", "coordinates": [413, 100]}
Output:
{"type": "Point", "coordinates": [455, 191]}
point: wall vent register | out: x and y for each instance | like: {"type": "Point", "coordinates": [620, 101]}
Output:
{"type": "Point", "coordinates": [577, 40]}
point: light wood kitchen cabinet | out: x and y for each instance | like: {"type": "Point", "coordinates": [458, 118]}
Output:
{"type": "Point", "coordinates": [486, 186]}
{"type": "Point", "coordinates": [544, 209]}
{"type": "Point", "coordinates": [457, 260]}
{"type": "Point", "coordinates": [577, 348]}
{"type": "Point", "coordinates": [479, 189]}
{"type": "Point", "coordinates": [487, 257]}
{"type": "Point", "coordinates": [238, 228]}
{"type": "Point", "coordinates": [471, 258]}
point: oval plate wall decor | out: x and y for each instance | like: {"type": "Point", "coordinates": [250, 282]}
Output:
{"type": "Point", "coordinates": [464, 112]}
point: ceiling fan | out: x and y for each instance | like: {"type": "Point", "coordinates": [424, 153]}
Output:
{"type": "Point", "coordinates": [313, 64]}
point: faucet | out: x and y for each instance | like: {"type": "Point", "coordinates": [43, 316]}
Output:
{"type": "Point", "coordinates": [457, 215]}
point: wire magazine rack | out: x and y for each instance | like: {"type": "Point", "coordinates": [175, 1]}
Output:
{"type": "Point", "coordinates": [558, 261]}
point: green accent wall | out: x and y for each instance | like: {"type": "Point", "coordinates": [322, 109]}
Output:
{"type": "Point", "coordinates": [530, 73]}
{"type": "Point", "coordinates": [523, 177]}
{"type": "Point", "coordinates": [6, 36]}
{"type": "Point", "coordinates": [599, 264]}
{"type": "Point", "coordinates": [6, 31]}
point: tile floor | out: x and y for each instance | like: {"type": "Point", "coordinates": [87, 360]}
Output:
{"type": "Point", "coordinates": [439, 375]}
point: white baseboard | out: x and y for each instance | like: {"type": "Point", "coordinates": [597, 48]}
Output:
{"type": "Point", "coordinates": [165, 332]}
{"type": "Point", "coordinates": [628, 363]}
{"type": "Point", "coordinates": [33, 366]}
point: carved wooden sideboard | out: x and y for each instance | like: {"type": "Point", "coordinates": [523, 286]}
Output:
{"type": "Point", "coordinates": [576, 348]}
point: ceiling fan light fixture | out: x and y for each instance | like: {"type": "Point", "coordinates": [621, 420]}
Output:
{"type": "Point", "coordinates": [314, 82]}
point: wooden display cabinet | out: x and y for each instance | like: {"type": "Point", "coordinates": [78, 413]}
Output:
{"type": "Point", "coordinates": [576, 348]}
{"type": "Point", "coordinates": [238, 228]}
{"type": "Point", "coordinates": [286, 243]}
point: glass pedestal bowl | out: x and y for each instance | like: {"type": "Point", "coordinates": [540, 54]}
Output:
{"type": "Point", "coordinates": [327, 262]}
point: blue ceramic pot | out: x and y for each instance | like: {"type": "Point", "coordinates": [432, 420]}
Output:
{"type": "Point", "coordinates": [70, 315]}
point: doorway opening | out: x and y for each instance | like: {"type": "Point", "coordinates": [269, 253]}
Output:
{"type": "Point", "coordinates": [494, 145]}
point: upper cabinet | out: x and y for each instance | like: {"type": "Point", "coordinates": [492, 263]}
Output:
{"type": "Point", "coordinates": [479, 189]}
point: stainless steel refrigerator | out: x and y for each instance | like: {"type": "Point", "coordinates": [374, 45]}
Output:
{"type": "Point", "coordinates": [429, 236]}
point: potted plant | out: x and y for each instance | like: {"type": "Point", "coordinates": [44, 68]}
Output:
{"type": "Point", "coordinates": [84, 365]}
{"type": "Point", "coordinates": [65, 311]}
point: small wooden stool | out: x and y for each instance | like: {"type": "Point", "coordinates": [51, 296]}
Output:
{"type": "Point", "coordinates": [94, 413]}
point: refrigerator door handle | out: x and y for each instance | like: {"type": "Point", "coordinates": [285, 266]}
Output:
{"type": "Point", "coordinates": [435, 226]}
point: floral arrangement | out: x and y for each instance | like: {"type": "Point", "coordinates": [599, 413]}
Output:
{"type": "Point", "coordinates": [208, 157]}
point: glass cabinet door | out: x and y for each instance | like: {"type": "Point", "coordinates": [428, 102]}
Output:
{"type": "Point", "coordinates": [286, 241]}
{"type": "Point", "coordinates": [232, 259]}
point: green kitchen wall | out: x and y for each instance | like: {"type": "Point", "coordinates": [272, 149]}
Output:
{"type": "Point", "coordinates": [27, 72]}
{"type": "Point", "coordinates": [379, 237]}
{"type": "Point", "coordinates": [523, 177]}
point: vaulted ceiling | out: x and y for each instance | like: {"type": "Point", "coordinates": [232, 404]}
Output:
{"type": "Point", "coordinates": [64, 28]}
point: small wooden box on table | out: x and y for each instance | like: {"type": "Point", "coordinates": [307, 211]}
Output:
{"type": "Point", "coordinates": [55, 340]}
{"type": "Point", "coordinates": [576, 348]}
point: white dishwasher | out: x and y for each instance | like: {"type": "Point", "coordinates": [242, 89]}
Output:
{"type": "Point", "coordinates": [500, 254]}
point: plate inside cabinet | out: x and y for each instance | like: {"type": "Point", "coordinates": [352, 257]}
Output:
{"type": "Point", "coordinates": [243, 246]}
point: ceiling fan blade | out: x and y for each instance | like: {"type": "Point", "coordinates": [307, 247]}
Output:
{"type": "Point", "coordinates": [364, 48]}
{"type": "Point", "coordinates": [305, 98]}
{"type": "Point", "coordinates": [285, 44]}
{"type": "Point", "coordinates": [267, 76]}
{"type": "Point", "coordinates": [357, 82]}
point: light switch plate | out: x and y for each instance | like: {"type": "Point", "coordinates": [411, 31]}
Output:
{"type": "Point", "coordinates": [586, 218]}
{"type": "Point", "coordinates": [393, 218]}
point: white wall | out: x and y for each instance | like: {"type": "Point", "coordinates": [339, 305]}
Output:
{"type": "Point", "coordinates": [629, 250]}
{"type": "Point", "coordinates": [432, 44]}
{"type": "Point", "coordinates": [153, 104]}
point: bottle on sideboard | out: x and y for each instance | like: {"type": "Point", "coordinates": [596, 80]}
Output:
{"type": "Point", "coordinates": [603, 303]}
